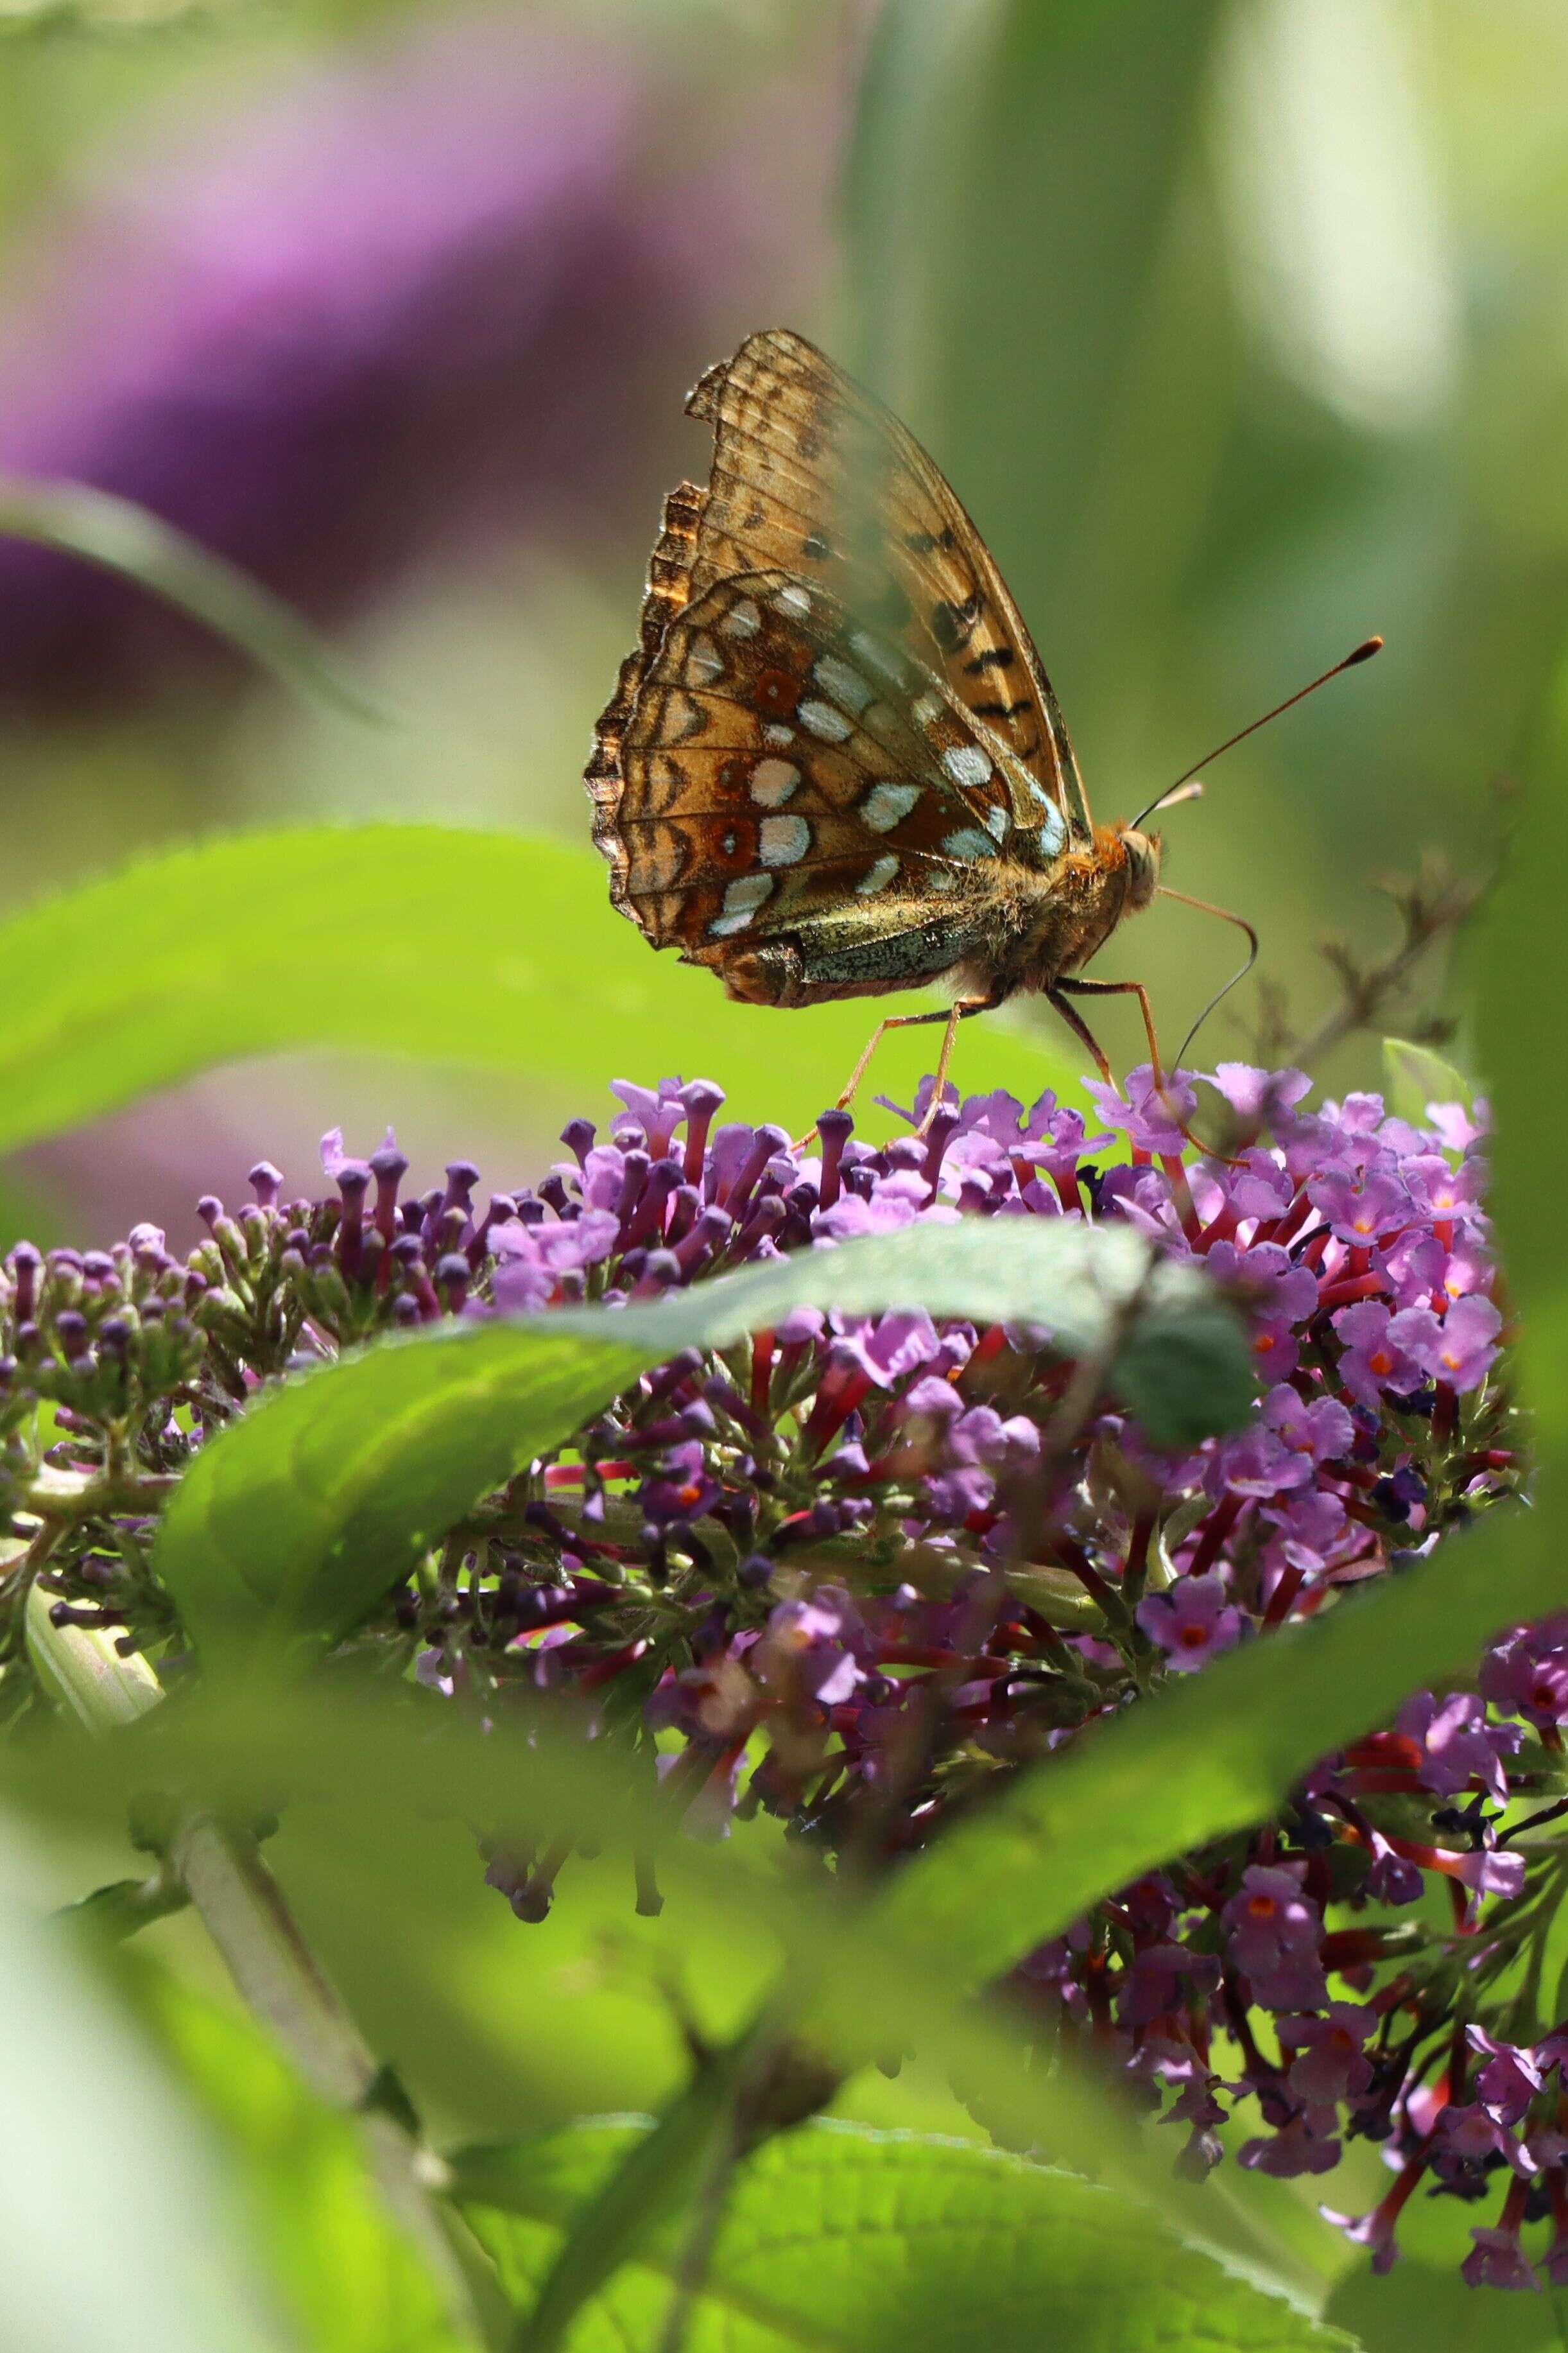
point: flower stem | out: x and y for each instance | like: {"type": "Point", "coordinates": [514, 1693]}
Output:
{"type": "Point", "coordinates": [219, 1869]}
{"type": "Point", "coordinates": [242, 1908]}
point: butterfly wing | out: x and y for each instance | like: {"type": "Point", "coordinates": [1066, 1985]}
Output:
{"type": "Point", "coordinates": [772, 768]}
{"type": "Point", "coordinates": [813, 476]}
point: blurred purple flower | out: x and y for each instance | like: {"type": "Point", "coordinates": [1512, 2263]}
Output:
{"type": "Point", "coordinates": [419, 290]}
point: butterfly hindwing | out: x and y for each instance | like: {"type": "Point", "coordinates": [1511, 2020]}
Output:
{"type": "Point", "coordinates": [813, 475]}
{"type": "Point", "coordinates": [777, 767]}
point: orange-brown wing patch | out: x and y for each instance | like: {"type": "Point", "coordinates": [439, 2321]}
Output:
{"type": "Point", "coordinates": [668, 588]}
{"type": "Point", "coordinates": [777, 760]}
{"type": "Point", "coordinates": [813, 475]}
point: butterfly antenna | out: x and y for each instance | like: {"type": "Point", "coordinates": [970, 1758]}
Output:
{"type": "Point", "coordinates": [1205, 907]}
{"type": "Point", "coordinates": [1172, 793]}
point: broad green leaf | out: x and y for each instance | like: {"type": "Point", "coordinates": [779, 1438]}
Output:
{"type": "Point", "coordinates": [318, 1502]}
{"type": "Point", "coordinates": [1213, 1754]}
{"type": "Point", "coordinates": [335, 2260]}
{"type": "Point", "coordinates": [501, 950]}
{"type": "Point", "coordinates": [850, 2241]}
{"type": "Point", "coordinates": [498, 2024]}
{"type": "Point", "coordinates": [655, 2177]}
{"type": "Point", "coordinates": [110, 2241]}
{"type": "Point", "coordinates": [1413, 1076]}
{"type": "Point", "coordinates": [121, 536]}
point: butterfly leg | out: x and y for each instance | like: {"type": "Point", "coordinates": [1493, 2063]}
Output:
{"type": "Point", "coordinates": [1127, 988]}
{"type": "Point", "coordinates": [1081, 1031]}
{"type": "Point", "coordinates": [1113, 988]}
{"type": "Point", "coordinates": [952, 1015]}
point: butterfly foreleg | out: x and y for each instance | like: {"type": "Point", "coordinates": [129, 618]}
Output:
{"type": "Point", "coordinates": [1127, 988]}
{"type": "Point", "coordinates": [1081, 1031]}
{"type": "Point", "coordinates": [1112, 988]}
{"type": "Point", "coordinates": [952, 1015]}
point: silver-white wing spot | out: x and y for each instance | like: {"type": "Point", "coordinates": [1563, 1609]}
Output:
{"type": "Point", "coordinates": [742, 620]}
{"type": "Point", "coordinates": [772, 782]}
{"type": "Point", "coordinates": [704, 663]}
{"type": "Point", "coordinates": [1052, 830]}
{"type": "Point", "coordinates": [845, 686]}
{"type": "Point", "coordinates": [967, 765]}
{"type": "Point", "coordinates": [886, 805]}
{"type": "Point", "coordinates": [996, 821]}
{"type": "Point", "coordinates": [782, 841]}
{"type": "Point", "coordinates": [878, 876]}
{"type": "Point", "coordinates": [741, 899]}
{"type": "Point", "coordinates": [824, 721]}
{"type": "Point", "coordinates": [969, 842]}
{"type": "Point", "coordinates": [792, 601]}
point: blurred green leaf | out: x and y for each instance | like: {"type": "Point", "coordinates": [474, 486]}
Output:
{"type": "Point", "coordinates": [123, 537]}
{"type": "Point", "coordinates": [1412, 1077]}
{"type": "Point", "coordinates": [109, 2239]}
{"type": "Point", "coordinates": [858, 2242]}
{"type": "Point", "coordinates": [1422, 2308]}
{"type": "Point", "coordinates": [378, 1857]}
{"type": "Point", "coordinates": [1213, 1754]}
{"type": "Point", "coordinates": [1520, 976]}
{"type": "Point", "coordinates": [347, 2277]}
{"type": "Point", "coordinates": [1177, 294]}
{"type": "Point", "coordinates": [494, 949]}
{"type": "Point", "coordinates": [298, 1519]}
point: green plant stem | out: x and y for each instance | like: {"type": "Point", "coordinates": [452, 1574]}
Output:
{"type": "Point", "coordinates": [709, 2201]}
{"type": "Point", "coordinates": [242, 1908]}
{"type": "Point", "coordinates": [218, 1869]}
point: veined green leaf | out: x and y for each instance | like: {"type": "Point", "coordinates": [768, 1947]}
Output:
{"type": "Point", "coordinates": [495, 949]}
{"type": "Point", "coordinates": [121, 536]}
{"type": "Point", "coordinates": [845, 2239]}
{"type": "Point", "coordinates": [298, 1519]}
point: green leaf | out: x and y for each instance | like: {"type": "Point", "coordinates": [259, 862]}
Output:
{"type": "Point", "coordinates": [1213, 1754]}
{"type": "Point", "coordinates": [1521, 971]}
{"type": "Point", "coordinates": [121, 536]}
{"type": "Point", "coordinates": [653, 2178]}
{"type": "Point", "coordinates": [499, 950]}
{"type": "Point", "coordinates": [851, 2241]}
{"type": "Point", "coordinates": [299, 1517]}
{"type": "Point", "coordinates": [1412, 1077]}
{"type": "Point", "coordinates": [347, 2278]}
{"type": "Point", "coordinates": [497, 2026]}
{"type": "Point", "coordinates": [111, 2239]}
{"type": "Point", "coordinates": [1421, 2307]}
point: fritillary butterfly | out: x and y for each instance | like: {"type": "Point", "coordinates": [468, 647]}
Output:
{"type": "Point", "coordinates": [833, 766]}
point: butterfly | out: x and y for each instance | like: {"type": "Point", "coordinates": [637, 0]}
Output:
{"type": "Point", "coordinates": [833, 766]}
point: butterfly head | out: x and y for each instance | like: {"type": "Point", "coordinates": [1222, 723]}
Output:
{"type": "Point", "coordinates": [1141, 852]}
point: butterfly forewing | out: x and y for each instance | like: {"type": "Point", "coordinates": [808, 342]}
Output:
{"type": "Point", "coordinates": [813, 476]}
{"type": "Point", "coordinates": [783, 769]}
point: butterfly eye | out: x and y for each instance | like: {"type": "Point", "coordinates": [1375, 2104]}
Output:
{"type": "Point", "coordinates": [1143, 865]}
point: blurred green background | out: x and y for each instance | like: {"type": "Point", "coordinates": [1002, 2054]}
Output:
{"type": "Point", "coordinates": [1242, 329]}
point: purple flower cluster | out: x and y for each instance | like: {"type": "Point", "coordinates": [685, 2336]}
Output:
{"type": "Point", "coordinates": [848, 1571]}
